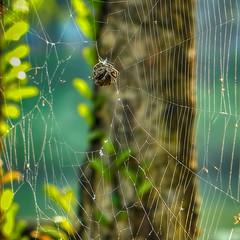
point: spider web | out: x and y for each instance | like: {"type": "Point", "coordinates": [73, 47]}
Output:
{"type": "Point", "coordinates": [49, 143]}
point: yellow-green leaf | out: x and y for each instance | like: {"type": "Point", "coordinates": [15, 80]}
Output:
{"type": "Point", "coordinates": [85, 26]}
{"type": "Point", "coordinates": [17, 94]}
{"type": "Point", "coordinates": [21, 5]}
{"type": "Point", "coordinates": [19, 228]}
{"type": "Point", "coordinates": [81, 8]}
{"type": "Point", "coordinates": [84, 18]}
{"type": "Point", "coordinates": [6, 199]}
{"type": "Point", "coordinates": [4, 128]}
{"type": "Point", "coordinates": [65, 224]}
{"type": "Point", "coordinates": [59, 198]}
{"type": "Point", "coordinates": [144, 187]}
{"type": "Point", "coordinates": [9, 223]}
{"type": "Point", "coordinates": [19, 52]}
{"type": "Point", "coordinates": [89, 54]}
{"type": "Point", "coordinates": [11, 111]}
{"type": "Point", "coordinates": [51, 231]}
{"type": "Point", "coordinates": [82, 87]}
{"type": "Point", "coordinates": [16, 72]}
{"type": "Point", "coordinates": [70, 195]}
{"type": "Point", "coordinates": [85, 112]}
{"type": "Point", "coordinates": [52, 192]}
{"type": "Point", "coordinates": [16, 31]}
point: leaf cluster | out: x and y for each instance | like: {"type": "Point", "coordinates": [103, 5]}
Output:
{"type": "Point", "coordinates": [14, 67]}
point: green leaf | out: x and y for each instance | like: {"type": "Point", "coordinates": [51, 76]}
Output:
{"type": "Point", "coordinates": [101, 168]}
{"type": "Point", "coordinates": [115, 200]}
{"type": "Point", "coordinates": [101, 218]}
{"type": "Point", "coordinates": [6, 199]}
{"type": "Point", "coordinates": [16, 31]}
{"type": "Point", "coordinates": [145, 165]}
{"type": "Point", "coordinates": [144, 187]}
{"type": "Point", "coordinates": [96, 4]}
{"type": "Point", "coordinates": [122, 215]}
{"type": "Point", "coordinates": [82, 87]}
{"type": "Point", "coordinates": [86, 113]}
{"type": "Point", "coordinates": [129, 173]}
{"type": "Point", "coordinates": [122, 157]}
{"type": "Point", "coordinates": [18, 230]}
{"type": "Point", "coordinates": [108, 146]}
{"type": "Point", "coordinates": [97, 165]}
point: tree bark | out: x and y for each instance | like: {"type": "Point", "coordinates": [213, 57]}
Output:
{"type": "Point", "coordinates": [151, 44]}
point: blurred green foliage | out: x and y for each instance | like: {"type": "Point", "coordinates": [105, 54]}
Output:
{"type": "Point", "coordinates": [13, 67]}
{"type": "Point", "coordinates": [65, 200]}
{"type": "Point", "coordinates": [10, 228]}
{"type": "Point", "coordinates": [14, 25]}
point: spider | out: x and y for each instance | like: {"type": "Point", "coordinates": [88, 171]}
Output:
{"type": "Point", "coordinates": [104, 73]}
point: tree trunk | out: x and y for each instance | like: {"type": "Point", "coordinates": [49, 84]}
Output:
{"type": "Point", "coordinates": [151, 44]}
